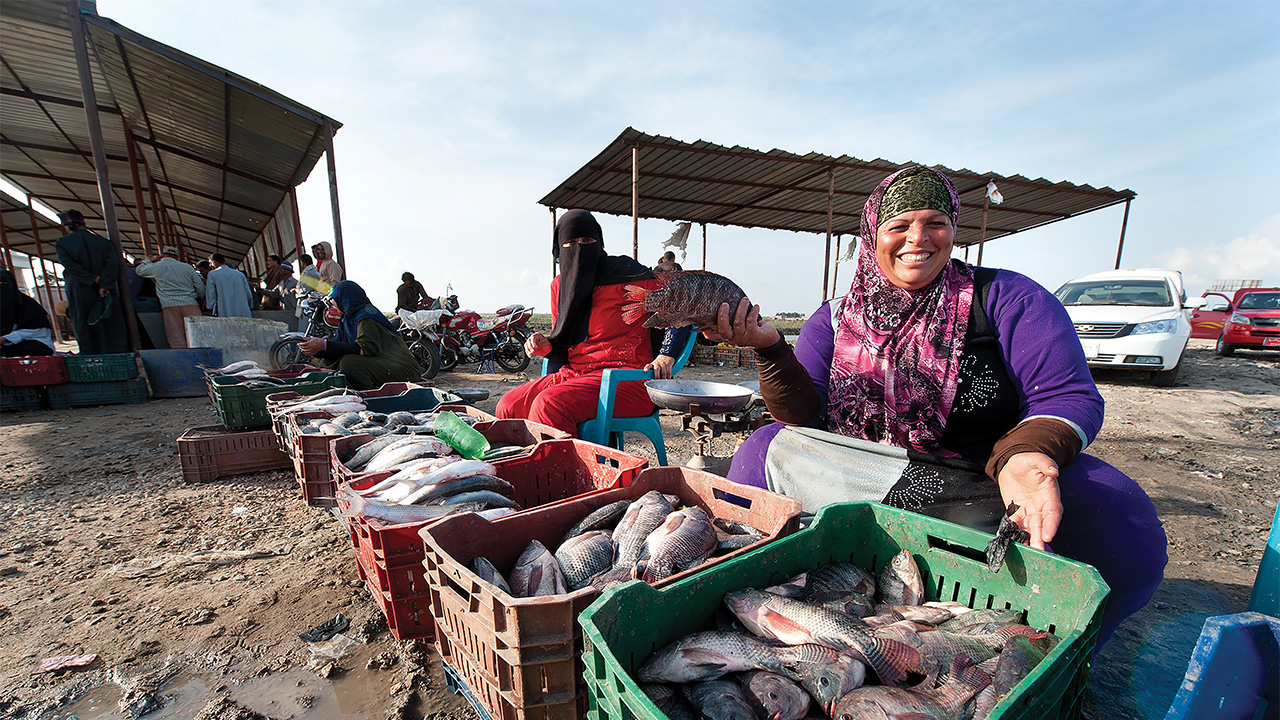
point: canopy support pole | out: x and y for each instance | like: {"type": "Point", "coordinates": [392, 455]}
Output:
{"type": "Point", "coordinates": [835, 273]}
{"type": "Point", "coordinates": [131, 150]}
{"type": "Point", "coordinates": [831, 209]}
{"type": "Point", "coordinates": [90, 98]}
{"type": "Point", "coordinates": [554, 266]}
{"type": "Point", "coordinates": [297, 223]}
{"type": "Point", "coordinates": [982, 239]}
{"type": "Point", "coordinates": [333, 194]}
{"type": "Point", "coordinates": [161, 240]}
{"type": "Point", "coordinates": [1124, 225]}
{"type": "Point", "coordinates": [635, 202]}
{"type": "Point", "coordinates": [44, 273]}
{"type": "Point", "coordinates": [704, 246]}
{"type": "Point", "coordinates": [275, 228]}
{"type": "Point", "coordinates": [8, 254]}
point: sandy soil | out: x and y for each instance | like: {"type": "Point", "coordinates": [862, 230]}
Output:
{"type": "Point", "coordinates": [192, 596]}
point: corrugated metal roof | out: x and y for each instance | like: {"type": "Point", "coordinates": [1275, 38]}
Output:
{"type": "Point", "coordinates": [17, 228]}
{"type": "Point", "coordinates": [707, 183]}
{"type": "Point", "coordinates": [222, 150]}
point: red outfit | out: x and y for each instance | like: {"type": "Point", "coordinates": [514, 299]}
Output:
{"type": "Point", "coordinates": [569, 397]}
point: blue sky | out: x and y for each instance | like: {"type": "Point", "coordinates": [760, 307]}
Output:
{"type": "Point", "coordinates": [459, 116]}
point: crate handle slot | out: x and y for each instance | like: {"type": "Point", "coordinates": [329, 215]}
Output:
{"type": "Point", "coordinates": [462, 593]}
{"type": "Point", "coordinates": [730, 498]}
{"type": "Point", "coordinates": [937, 543]}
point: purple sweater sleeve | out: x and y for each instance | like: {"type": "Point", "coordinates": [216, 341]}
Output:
{"type": "Point", "coordinates": [1041, 351]}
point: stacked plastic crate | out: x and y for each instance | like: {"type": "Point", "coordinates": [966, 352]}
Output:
{"type": "Point", "coordinates": [66, 381]}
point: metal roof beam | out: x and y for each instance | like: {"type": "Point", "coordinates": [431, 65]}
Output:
{"type": "Point", "coordinates": [210, 163]}
{"type": "Point", "coordinates": [52, 100]}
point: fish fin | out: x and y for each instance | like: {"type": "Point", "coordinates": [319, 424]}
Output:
{"type": "Point", "coordinates": [655, 320]}
{"type": "Point", "coordinates": [893, 660]}
{"type": "Point", "coordinates": [637, 293]}
{"type": "Point", "coordinates": [965, 674]}
{"type": "Point", "coordinates": [632, 312]}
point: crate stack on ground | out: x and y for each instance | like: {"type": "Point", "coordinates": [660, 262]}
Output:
{"type": "Point", "coordinates": [1059, 595]}
{"type": "Point", "coordinates": [390, 556]}
{"type": "Point", "coordinates": [520, 658]}
{"type": "Point", "coordinates": [66, 381]}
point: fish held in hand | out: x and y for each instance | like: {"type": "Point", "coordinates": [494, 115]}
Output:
{"type": "Point", "coordinates": [682, 299]}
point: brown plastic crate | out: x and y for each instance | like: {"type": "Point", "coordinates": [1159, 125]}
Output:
{"type": "Point", "coordinates": [207, 453]}
{"type": "Point", "coordinates": [703, 355]}
{"type": "Point", "coordinates": [746, 357]}
{"type": "Point", "coordinates": [521, 656]}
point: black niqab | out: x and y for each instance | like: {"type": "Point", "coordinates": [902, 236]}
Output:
{"type": "Point", "coordinates": [583, 268]}
{"type": "Point", "coordinates": [17, 310]}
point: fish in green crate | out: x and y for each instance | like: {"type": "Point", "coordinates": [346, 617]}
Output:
{"type": "Point", "coordinates": [900, 582]}
{"type": "Point", "coordinates": [719, 700]}
{"type": "Point", "coordinates": [774, 696]}
{"type": "Point", "coordinates": [952, 700]}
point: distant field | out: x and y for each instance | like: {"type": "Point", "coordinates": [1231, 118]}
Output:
{"type": "Point", "coordinates": [789, 326]}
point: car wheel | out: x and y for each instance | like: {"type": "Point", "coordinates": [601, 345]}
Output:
{"type": "Point", "coordinates": [1165, 378]}
{"type": "Point", "coordinates": [1223, 349]}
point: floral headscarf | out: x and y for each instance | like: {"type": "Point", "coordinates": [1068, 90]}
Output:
{"type": "Point", "coordinates": [897, 352]}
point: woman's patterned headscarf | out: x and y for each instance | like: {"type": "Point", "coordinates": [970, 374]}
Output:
{"type": "Point", "coordinates": [897, 352]}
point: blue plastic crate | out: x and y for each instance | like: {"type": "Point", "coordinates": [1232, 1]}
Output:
{"type": "Point", "coordinates": [1234, 673]}
{"type": "Point", "coordinates": [173, 372]}
{"type": "Point", "coordinates": [1266, 587]}
{"type": "Point", "coordinates": [455, 683]}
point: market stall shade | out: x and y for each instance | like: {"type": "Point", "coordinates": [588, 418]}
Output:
{"type": "Point", "coordinates": [216, 155]}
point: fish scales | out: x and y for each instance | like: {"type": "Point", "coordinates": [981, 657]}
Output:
{"type": "Point", "coordinates": [719, 700]}
{"type": "Point", "coordinates": [584, 556]}
{"type": "Point", "coordinates": [774, 696]}
{"type": "Point", "coordinates": [599, 518]}
{"type": "Point", "coordinates": [641, 518]}
{"type": "Point", "coordinates": [684, 298]}
{"type": "Point", "coordinates": [686, 538]}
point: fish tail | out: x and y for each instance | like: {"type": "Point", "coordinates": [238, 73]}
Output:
{"type": "Point", "coordinates": [633, 311]}
{"type": "Point", "coordinates": [355, 503]}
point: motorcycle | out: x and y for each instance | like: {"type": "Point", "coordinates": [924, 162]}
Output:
{"type": "Point", "coordinates": [466, 337]}
{"type": "Point", "coordinates": [284, 351]}
{"type": "Point", "coordinates": [420, 331]}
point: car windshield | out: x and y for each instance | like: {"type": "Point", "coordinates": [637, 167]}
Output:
{"type": "Point", "coordinates": [1260, 301]}
{"type": "Point", "coordinates": [1144, 293]}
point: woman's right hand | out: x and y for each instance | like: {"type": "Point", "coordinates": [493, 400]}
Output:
{"type": "Point", "coordinates": [743, 327]}
{"type": "Point", "coordinates": [537, 344]}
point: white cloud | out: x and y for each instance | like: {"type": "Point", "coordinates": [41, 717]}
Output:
{"type": "Point", "coordinates": [1255, 256]}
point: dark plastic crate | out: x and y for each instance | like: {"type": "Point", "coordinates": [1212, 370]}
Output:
{"type": "Point", "coordinates": [242, 408]}
{"type": "Point", "coordinates": [82, 394]}
{"type": "Point", "coordinates": [22, 399]}
{"type": "Point", "coordinates": [207, 453]}
{"type": "Point", "coordinates": [101, 368]}
{"type": "Point", "coordinates": [33, 370]}
{"type": "Point", "coordinates": [454, 682]}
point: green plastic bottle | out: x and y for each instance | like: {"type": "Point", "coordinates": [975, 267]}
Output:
{"type": "Point", "coordinates": [462, 437]}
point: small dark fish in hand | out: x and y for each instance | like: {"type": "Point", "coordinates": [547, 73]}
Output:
{"type": "Point", "coordinates": [1007, 534]}
{"type": "Point", "coordinates": [684, 298]}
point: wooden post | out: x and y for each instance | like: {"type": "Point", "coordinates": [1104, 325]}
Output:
{"type": "Point", "coordinates": [831, 209]}
{"type": "Point", "coordinates": [333, 195]}
{"type": "Point", "coordinates": [275, 228]}
{"type": "Point", "coordinates": [635, 202]}
{"type": "Point", "coordinates": [555, 267]}
{"type": "Point", "coordinates": [297, 223]}
{"type": "Point", "coordinates": [704, 246]}
{"type": "Point", "coordinates": [982, 239]}
{"type": "Point", "coordinates": [8, 254]}
{"type": "Point", "coordinates": [139, 207]}
{"type": "Point", "coordinates": [161, 241]}
{"type": "Point", "coordinates": [835, 275]}
{"type": "Point", "coordinates": [1124, 225]}
{"type": "Point", "coordinates": [90, 98]}
{"type": "Point", "coordinates": [44, 273]}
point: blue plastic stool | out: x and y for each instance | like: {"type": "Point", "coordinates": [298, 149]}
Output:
{"type": "Point", "coordinates": [1266, 587]}
{"type": "Point", "coordinates": [1234, 673]}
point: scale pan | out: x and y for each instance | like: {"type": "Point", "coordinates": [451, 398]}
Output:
{"type": "Point", "coordinates": [711, 397]}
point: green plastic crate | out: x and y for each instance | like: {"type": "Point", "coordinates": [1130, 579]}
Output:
{"type": "Point", "coordinates": [628, 623]}
{"type": "Point", "coordinates": [102, 368]}
{"type": "Point", "coordinates": [114, 392]}
{"type": "Point", "coordinates": [242, 408]}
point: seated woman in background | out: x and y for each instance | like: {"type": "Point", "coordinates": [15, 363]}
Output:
{"type": "Point", "coordinates": [24, 325]}
{"type": "Point", "coordinates": [950, 390]}
{"type": "Point", "coordinates": [365, 348]}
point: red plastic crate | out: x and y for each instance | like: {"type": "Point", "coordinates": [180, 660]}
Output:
{"type": "Point", "coordinates": [210, 452]}
{"type": "Point", "coordinates": [521, 656]}
{"type": "Point", "coordinates": [279, 422]}
{"type": "Point", "coordinates": [408, 615]}
{"type": "Point", "coordinates": [33, 370]}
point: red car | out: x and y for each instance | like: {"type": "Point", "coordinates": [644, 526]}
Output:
{"type": "Point", "coordinates": [1250, 321]}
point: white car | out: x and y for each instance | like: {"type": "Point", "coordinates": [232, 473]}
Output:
{"type": "Point", "coordinates": [1131, 320]}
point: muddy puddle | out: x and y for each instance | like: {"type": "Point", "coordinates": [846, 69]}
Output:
{"type": "Point", "coordinates": [297, 694]}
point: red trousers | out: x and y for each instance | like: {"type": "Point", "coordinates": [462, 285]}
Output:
{"type": "Point", "coordinates": [568, 398]}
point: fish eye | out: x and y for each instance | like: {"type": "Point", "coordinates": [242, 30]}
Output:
{"type": "Point", "coordinates": [773, 695]}
{"type": "Point", "coordinates": [846, 716]}
{"type": "Point", "coordinates": [823, 681]}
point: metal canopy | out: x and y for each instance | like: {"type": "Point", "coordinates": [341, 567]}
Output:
{"type": "Point", "coordinates": [220, 152]}
{"type": "Point", "coordinates": [712, 184]}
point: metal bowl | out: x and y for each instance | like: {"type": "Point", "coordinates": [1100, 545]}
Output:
{"type": "Point", "coordinates": [711, 397]}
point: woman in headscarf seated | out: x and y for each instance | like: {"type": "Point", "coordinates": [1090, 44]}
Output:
{"type": "Point", "coordinates": [24, 325]}
{"type": "Point", "coordinates": [365, 348]}
{"type": "Point", "coordinates": [950, 390]}
{"type": "Point", "coordinates": [588, 335]}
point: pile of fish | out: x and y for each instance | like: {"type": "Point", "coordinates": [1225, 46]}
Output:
{"type": "Point", "coordinates": [789, 651]}
{"type": "Point", "coordinates": [650, 538]}
{"type": "Point", "coordinates": [247, 372]}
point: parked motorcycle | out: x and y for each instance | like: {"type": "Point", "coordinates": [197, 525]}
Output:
{"type": "Point", "coordinates": [466, 337]}
{"type": "Point", "coordinates": [421, 332]}
{"type": "Point", "coordinates": [284, 351]}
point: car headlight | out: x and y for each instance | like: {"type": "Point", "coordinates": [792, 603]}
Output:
{"type": "Point", "coordinates": [1239, 319]}
{"type": "Point", "coordinates": [1159, 326]}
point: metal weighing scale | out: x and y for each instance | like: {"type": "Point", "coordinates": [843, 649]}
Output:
{"type": "Point", "coordinates": [710, 410]}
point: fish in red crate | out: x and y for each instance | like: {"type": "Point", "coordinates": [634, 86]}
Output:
{"type": "Point", "coordinates": [682, 299]}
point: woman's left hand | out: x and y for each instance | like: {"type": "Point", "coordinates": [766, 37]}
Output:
{"type": "Point", "coordinates": [661, 367]}
{"type": "Point", "coordinates": [1030, 479]}
{"type": "Point", "coordinates": [311, 346]}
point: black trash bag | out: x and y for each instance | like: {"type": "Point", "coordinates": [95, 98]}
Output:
{"type": "Point", "coordinates": [326, 629]}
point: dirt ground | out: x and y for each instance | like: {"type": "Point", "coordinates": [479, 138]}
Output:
{"type": "Point", "coordinates": [192, 596]}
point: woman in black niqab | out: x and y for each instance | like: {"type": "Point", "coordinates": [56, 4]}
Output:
{"type": "Point", "coordinates": [18, 311]}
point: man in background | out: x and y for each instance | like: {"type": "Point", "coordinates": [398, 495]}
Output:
{"type": "Point", "coordinates": [180, 289]}
{"type": "Point", "coordinates": [668, 263]}
{"type": "Point", "coordinates": [270, 279]}
{"type": "Point", "coordinates": [91, 270]}
{"type": "Point", "coordinates": [330, 271]}
{"type": "Point", "coordinates": [227, 292]}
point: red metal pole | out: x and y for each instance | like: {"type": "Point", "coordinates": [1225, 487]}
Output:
{"type": "Point", "coordinates": [704, 246]}
{"type": "Point", "coordinates": [141, 209]}
{"type": "Point", "coordinates": [44, 275]}
{"type": "Point", "coordinates": [8, 255]}
{"type": "Point", "coordinates": [161, 240]}
{"type": "Point", "coordinates": [275, 228]}
{"type": "Point", "coordinates": [297, 222]}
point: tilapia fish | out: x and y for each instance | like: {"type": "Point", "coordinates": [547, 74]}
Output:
{"type": "Point", "coordinates": [584, 556]}
{"type": "Point", "coordinates": [900, 582]}
{"type": "Point", "coordinates": [774, 696]}
{"type": "Point", "coordinates": [642, 517]}
{"type": "Point", "coordinates": [488, 573]}
{"type": "Point", "coordinates": [536, 573]}
{"type": "Point", "coordinates": [599, 519]}
{"type": "Point", "coordinates": [795, 622]}
{"type": "Point", "coordinates": [709, 655]}
{"type": "Point", "coordinates": [839, 577]}
{"type": "Point", "coordinates": [947, 702]}
{"type": "Point", "coordinates": [1007, 534]}
{"type": "Point", "coordinates": [684, 298]}
{"type": "Point", "coordinates": [685, 539]}
{"type": "Point", "coordinates": [719, 700]}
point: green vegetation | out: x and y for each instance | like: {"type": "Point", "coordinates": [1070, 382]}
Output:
{"type": "Point", "coordinates": [788, 323]}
